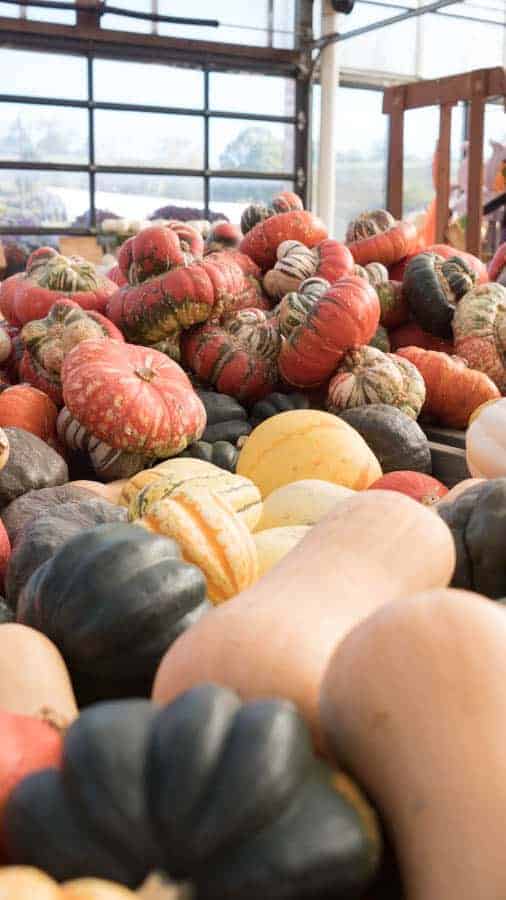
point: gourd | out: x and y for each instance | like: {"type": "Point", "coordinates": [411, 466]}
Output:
{"type": "Point", "coordinates": [50, 277]}
{"type": "Point", "coordinates": [222, 454]}
{"type": "Point", "coordinates": [223, 236]}
{"type": "Point", "coordinates": [262, 241]}
{"type": "Point", "coordinates": [302, 502]}
{"type": "Point", "coordinates": [432, 286]}
{"type": "Point", "coordinates": [497, 265]}
{"type": "Point", "coordinates": [132, 398]}
{"type": "Point", "coordinates": [421, 487]}
{"type": "Point", "coordinates": [249, 292]}
{"type": "Point", "coordinates": [210, 535]}
{"type": "Point", "coordinates": [485, 438]}
{"type": "Point", "coordinates": [272, 544]}
{"type": "Point", "coordinates": [22, 510]}
{"type": "Point", "coordinates": [5, 552]}
{"type": "Point", "coordinates": [4, 449]}
{"type": "Point", "coordinates": [239, 357]}
{"type": "Point", "coordinates": [27, 883]}
{"type": "Point", "coordinates": [393, 304]}
{"type": "Point", "coordinates": [95, 889]}
{"type": "Point", "coordinates": [387, 245]}
{"type": "Point", "coordinates": [26, 407]}
{"type": "Point", "coordinates": [380, 340]}
{"type": "Point", "coordinates": [31, 465]}
{"type": "Point", "coordinates": [368, 224]}
{"type": "Point", "coordinates": [111, 492]}
{"type": "Point", "coordinates": [473, 262]}
{"type": "Point", "coordinates": [47, 342]}
{"type": "Point", "coordinates": [242, 494]}
{"type": "Point", "coordinates": [257, 212]}
{"type": "Point", "coordinates": [477, 520]}
{"type": "Point", "coordinates": [411, 335]}
{"type": "Point", "coordinates": [453, 391]}
{"type": "Point", "coordinates": [398, 682]}
{"type": "Point", "coordinates": [276, 403]}
{"type": "Point", "coordinates": [479, 329]}
{"type": "Point", "coordinates": [396, 440]}
{"type": "Point", "coordinates": [227, 419]}
{"type": "Point", "coordinates": [109, 463]}
{"type": "Point", "coordinates": [330, 577]}
{"type": "Point", "coordinates": [156, 250]}
{"type": "Point", "coordinates": [368, 375]}
{"type": "Point", "coordinates": [306, 444]}
{"type": "Point", "coordinates": [112, 599]}
{"type": "Point", "coordinates": [329, 260]}
{"type": "Point", "coordinates": [43, 535]}
{"type": "Point", "coordinates": [41, 684]}
{"type": "Point", "coordinates": [253, 788]}
{"type": "Point", "coordinates": [321, 323]}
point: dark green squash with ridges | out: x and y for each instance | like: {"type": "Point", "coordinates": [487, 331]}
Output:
{"type": "Point", "coordinates": [221, 453]}
{"type": "Point", "coordinates": [227, 420]}
{"type": "Point", "coordinates": [432, 287]}
{"type": "Point", "coordinates": [277, 403]}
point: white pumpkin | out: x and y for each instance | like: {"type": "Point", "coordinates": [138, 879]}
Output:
{"type": "Point", "coordinates": [486, 441]}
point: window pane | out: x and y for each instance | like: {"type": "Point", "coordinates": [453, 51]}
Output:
{"type": "Point", "coordinates": [42, 198]}
{"type": "Point", "coordinates": [60, 16]}
{"type": "Point", "coordinates": [30, 74]}
{"type": "Point", "coordinates": [229, 196]}
{"type": "Point", "coordinates": [154, 85]}
{"type": "Point", "coordinates": [43, 133]}
{"type": "Point", "coordinates": [251, 146]}
{"type": "Point", "coordinates": [258, 94]}
{"type": "Point", "coordinates": [240, 23]}
{"type": "Point", "coordinates": [149, 139]}
{"type": "Point", "coordinates": [495, 124]}
{"type": "Point", "coordinates": [421, 131]}
{"type": "Point", "coordinates": [140, 196]}
{"type": "Point", "coordinates": [9, 11]}
{"type": "Point", "coordinates": [121, 23]}
{"type": "Point", "coordinates": [361, 154]}
{"type": "Point", "coordinates": [451, 46]}
{"type": "Point", "coordinates": [390, 49]}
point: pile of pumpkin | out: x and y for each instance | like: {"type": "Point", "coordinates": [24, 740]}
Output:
{"type": "Point", "coordinates": [204, 463]}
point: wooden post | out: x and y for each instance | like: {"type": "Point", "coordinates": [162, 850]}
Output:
{"type": "Point", "coordinates": [88, 18]}
{"type": "Point", "coordinates": [475, 173]}
{"type": "Point", "coordinates": [443, 172]}
{"type": "Point", "coordinates": [396, 154]}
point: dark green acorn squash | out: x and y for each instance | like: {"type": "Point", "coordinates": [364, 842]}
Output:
{"type": "Point", "coordinates": [396, 439]}
{"type": "Point", "coordinates": [44, 534]}
{"type": "Point", "coordinates": [113, 599]}
{"type": "Point", "coordinates": [477, 520]}
{"type": "Point", "coordinates": [277, 403]}
{"type": "Point", "coordinates": [227, 420]}
{"type": "Point", "coordinates": [17, 514]}
{"type": "Point", "coordinates": [224, 794]}
{"type": "Point", "coordinates": [221, 453]}
{"type": "Point", "coordinates": [32, 465]}
{"type": "Point", "coordinates": [6, 613]}
{"type": "Point", "coordinates": [432, 287]}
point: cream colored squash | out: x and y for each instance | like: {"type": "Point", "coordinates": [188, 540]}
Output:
{"type": "Point", "coordinates": [27, 883]}
{"type": "Point", "coordinates": [486, 441]}
{"type": "Point", "coordinates": [301, 503]}
{"type": "Point", "coordinates": [307, 443]}
{"type": "Point", "coordinates": [274, 543]}
{"type": "Point", "coordinates": [95, 889]}
{"type": "Point", "coordinates": [413, 704]}
{"type": "Point", "coordinates": [185, 467]}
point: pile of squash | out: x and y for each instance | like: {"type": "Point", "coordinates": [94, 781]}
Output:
{"type": "Point", "coordinates": [245, 634]}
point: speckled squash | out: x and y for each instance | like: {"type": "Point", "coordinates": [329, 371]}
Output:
{"type": "Point", "coordinates": [306, 444]}
{"type": "Point", "coordinates": [47, 342]}
{"type": "Point", "coordinates": [239, 492]}
{"type": "Point", "coordinates": [376, 273]}
{"type": "Point", "coordinates": [249, 293]}
{"type": "Point", "coordinates": [132, 398]}
{"type": "Point", "coordinates": [5, 342]}
{"type": "Point", "coordinates": [239, 357]}
{"type": "Point", "coordinates": [285, 201]}
{"type": "Point", "coordinates": [370, 376]}
{"type": "Point", "coordinates": [479, 328]}
{"type": "Point", "coordinates": [321, 325]}
{"type": "Point", "coordinates": [26, 407]}
{"type": "Point", "coordinates": [109, 463]}
{"type": "Point", "coordinates": [432, 287]}
{"type": "Point", "coordinates": [380, 340]}
{"type": "Point", "coordinates": [386, 245]}
{"type": "Point", "coordinates": [155, 250]}
{"type": "Point", "coordinates": [393, 304]}
{"type": "Point", "coordinates": [497, 265]}
{"type": "Point", "coordinates": [295, 263]}
{"type": "Point", "coordinates": [263, 240]}
{"type": "Point", "coordinates": [179, 467]}
{"type": "Point", "coordinates": [50, 277]}
{"type": "Point", "coordinates": [411, 335]}
{"type": "Point", "coordinates": [368, 224]}
{"type": "Point", "coordinates": [447, 251]}
{"type": "Point", "coordinates": [223, 236]}
{"type": "Point", "coordinates": [422, 488]}
{"type": "Point", "coordinates": [334, 261]}
{"type": "Point", "coordinates": [210, 535]}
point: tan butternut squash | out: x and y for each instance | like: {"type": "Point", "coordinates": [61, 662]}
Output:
{"type": "Point", "coordinates": [94, 889]}
{"type": "Point", "coordinates": [33, 675]}
{"type": "Point", "coordinates": [274, 543]}
{"type": "Point", "coordinates": [301, 503]}
{"type": "Point", "coordinates": [413, 703]}
{"type": "Point", "coordinates": [276, 638]}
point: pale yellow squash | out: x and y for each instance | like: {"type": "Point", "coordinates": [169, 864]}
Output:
{"type": "Point", "coordinates": [27, 883]}
{"type": "Point", "coordinates": [301, 503]}
{"type": "Point", "coordinates": [95, 889]}
{"type": "Point", "coordinates": [486, 441]}
{"type": "Point", "coordinates": [307, 443]}
{"type": "Point", "coordinates": [181, 468]}
{"type": "Point", "coordinates": [274, 543]}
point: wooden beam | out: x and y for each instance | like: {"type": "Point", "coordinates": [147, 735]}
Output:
{"type": "Point", "coordinates": [443, 172]}
{"type": "Point", "coordinates": [447, 90]}
{"type": "Point", "coordinates": [396, 155]}
{"type": "Point", "coordinates": [475, 171]}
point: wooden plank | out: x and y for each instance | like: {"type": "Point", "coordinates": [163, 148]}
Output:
{"type": "Point", "coordinates": [443, 172]}
{"type": "Point", "coordinates": [87, 247]}
{"type": "Point", "coordinates": [448, 464]}
{"type": "Point", "coordinates": [449, 436]}
{"type": "Point", "coordinates": [448, 90]}
{"type": "Point", "coordinates": [396, 158]}
{"type": "Point", "coordinates": [475, 172]}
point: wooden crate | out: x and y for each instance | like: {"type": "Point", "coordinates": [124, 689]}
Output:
{"type": "Point", "coordinates": [448, 451]}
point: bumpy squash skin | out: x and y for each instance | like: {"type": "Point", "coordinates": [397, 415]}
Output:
{"type": "Point", "coordinates": [27, 407]}
{"type": "Point", "coordinates": [155, 250]}
{"type": "Point", "coordinates": [262, 241]}
{"type": "Point", "coordinates": [432, 287]}
{"type": "Point", "coordinates": [477, 520]}
{"type": "Point", "coordinates": [104, 576]}
{"type": "Point", "coordinates": [411, 335]}
{"type": "Point", "coordinates": [157, 411]}
{"type": "Point", "coordinates": [221, 453]}
{"type": "Point", "coordinates": [43, 535]}
{"type": "Point", "coordinates": [387, 247]}
{"type": "Point", "coordinates": [447, 251]}
{"type": "Point", "coordinates": [21, 511]}
{"type": "Point", "coordinates": [32, 464]}
{"type": "Point", "coordinates": [479, 329]}
{"type": "Point", "coordinates": [394, 308]}
{"type": "Point", "coordinates": [369, 376]}
{"type": "Point", "coordinates": [276, 403]}
{"type": "Point", "coordinates": [396, 440]}
{"type": "Point", "coordinates": [497, 265]}
{"type": "Point", "coordinates": [423, 488]}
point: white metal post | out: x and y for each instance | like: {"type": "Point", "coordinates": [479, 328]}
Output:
{"type": "Point", "coordinates": [329, 80]}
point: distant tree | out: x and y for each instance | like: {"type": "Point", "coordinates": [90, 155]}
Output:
{"type": "Point", "coordinates": [254, 149]}
{"type": "Point", "coordinates": [17, 142]}
{"type": "Point", "coordinates": [54, 141]}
